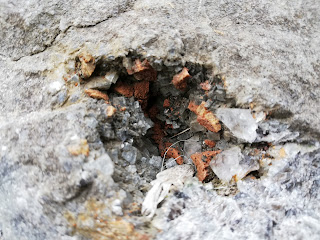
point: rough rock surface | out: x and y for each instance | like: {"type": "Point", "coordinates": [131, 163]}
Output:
{"type": "Point", "coordinates": [53, 187]}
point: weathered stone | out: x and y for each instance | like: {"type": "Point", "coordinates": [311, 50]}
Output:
{"type": "Point", "coordinates": [265, 54]}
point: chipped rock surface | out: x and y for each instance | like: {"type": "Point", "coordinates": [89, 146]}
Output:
{"type": "Point", "coordinates": [76, 167]}
{"type": "Point", "coordinates": [283, 202]}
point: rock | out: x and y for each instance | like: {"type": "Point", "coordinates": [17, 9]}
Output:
{"type": "Point", "coordinates": [87, 65]}
{"type": "Point", "coordinates": [191, 146]}
{"type": "Point", "coordinates": [232, 164]}
{"type": "Point", "coordinates": [171, 162]}
{"type": "Point", "coordinates": [240, 122]}
{"type": "Point", "coordinates": [96, 94]}
{"type": "Point", "coordinates": [81, 147]}
{"type": "Point", "coordinates": [175, 176]}
{"type": "Point", "coordinates": [180, 80]}
{"type": "Point", "coordinates": [142, 71]}
{"type": "Point", "coordinates": [156, 161]}
{"type": "Point", "coordinates": [110, 111]}
{"type": "Point", "coordinates": [274, 131]}
{"type": "Point", "coordinates": [129, 154]}
{"type": "Point", "coordinates": [102, 82]}
{"type": "Point", "coordinates": [263, 55]}
{"type": "Point", "coordinates": [205, 117]}
{"type": "Point", "coordinates": [202, 160]}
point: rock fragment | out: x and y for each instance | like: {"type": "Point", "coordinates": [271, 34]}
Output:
{"type": "Point", "coordinates": [110, 111]}
{"type": "Point", "coordinates": [161, 186]}
{"type": "Point", "coordinates": [96, 94]}
{"type": "Point", "coordinates": [202, 161]}
{"type": "Point", "coordinates": [130, 154]}
{"type": "Point", "coordinates": [172, 152]}
{"type": "Point", "coordinates": [166, 103]}
{"type": "Point", "coordinates": [232, 163]}
{"type": "Point", "coordinates": [80, 148]}
{"type": "Point", "coordinates": [142, 71]}
{"type": "Point", "coordinates": [205, 86]}
{"type": "Point", "coordinates": [240, 122]}
{"type": "Point", "coordinates": [205, 117]}
{"type": "Point", "coordinates": [210, 143]}
{"type": "Point", "coordinates": [275, 132]}
{"type": "Point", "coordinates": [180, 79]}
{"type": "Point", "coordinates": [103, 82]}
{"type": "Point", "coordinates": [88, 64]}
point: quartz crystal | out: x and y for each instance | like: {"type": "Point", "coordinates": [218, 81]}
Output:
{"type": "Point", "coordinates": [240, 122]}
{"type": "Point", "coordinates": [232, 163]}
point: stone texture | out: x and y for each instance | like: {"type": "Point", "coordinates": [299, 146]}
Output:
{"type": "Point", "coordinates": [266, 209]}
{"type": "Point", "coordinates": [267, 53]}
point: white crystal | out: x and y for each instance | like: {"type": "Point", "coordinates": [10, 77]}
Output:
{"type": "Point", "coordinates": [240, 122]}
{"type": "Point", "coordinates": [232, 163]}
{"type": "Point", "coordinates": [161, 186]}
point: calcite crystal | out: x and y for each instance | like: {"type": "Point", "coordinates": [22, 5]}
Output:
{"type": "Point", "coordinates": [240, 122]}
{"type": "Point", "coordinates": [232, 163]}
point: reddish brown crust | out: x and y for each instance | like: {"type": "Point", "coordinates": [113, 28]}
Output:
{"type": "Point", "coordinates": [172, 153]}
{"type": "Point", "coordinates": [210, 143]}
{"type": "Point", "coordinates": [166, 103]}
{"type": "Point", "coordinates": [202, 160]}
{"type": "Point", "coordinates": [124, 89]}
{"type": "Point", "coordinates": [193, 107]}
{"type": "Point", "coordinates": [201, 166]}
{"type": "Point", "coordinates": [141, 89]}
{"type": "Point", "coordinates": [143, 71]}
{"type": "Point", "coordinates": [210, 154]}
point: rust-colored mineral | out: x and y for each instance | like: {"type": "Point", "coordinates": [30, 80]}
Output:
{"type": "Point", "coordinates": [173, 153]}
{"type": "Point", "coordinates": [166, 103]}
{"type": "Point", "coordinates": [141, 89]}
{"type": "Point", "coordinates": [80, 148]}
{"type": "Point", "coordinates": [205, 117]}
{"type": "Point", "coordinates": [143, 71]}
{"type": "Point", "coordinates": [97, 94]}
{"type": "Point", "coordinates": [180, 80]}
{"type": "Point", "coordinates": [110, 111]}
{"type": "Point", "coordinates": [206, 85]}
{"type": "Point", "coordinates": [124, 89]}
{"type": "Point", "coordinates": [88, 64]}
{"type": "Point", "coordinates": [210, 143]}
{"type": "Point", "coordinates": [202, 160]}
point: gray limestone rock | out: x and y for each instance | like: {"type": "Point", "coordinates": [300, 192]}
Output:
{"type": "Point", "coordinates": [55, 140]}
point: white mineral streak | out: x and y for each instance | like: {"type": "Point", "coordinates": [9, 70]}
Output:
{"type": "Point", "coordinates": [175, 176]}
{"type": "Point", "coordinates": [231, 163]}
{"type": "Point", "coordinates": [240, 122]}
